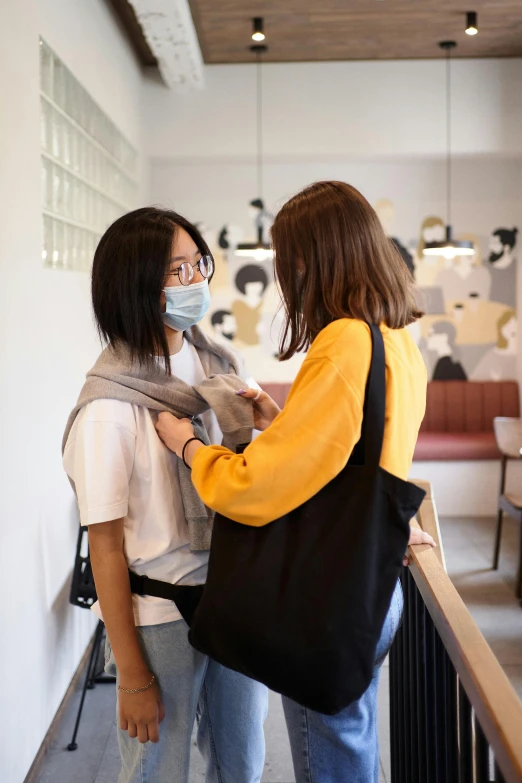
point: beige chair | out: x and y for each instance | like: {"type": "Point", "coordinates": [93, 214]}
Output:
{"type": "Point", "coordinates": [508, 434]}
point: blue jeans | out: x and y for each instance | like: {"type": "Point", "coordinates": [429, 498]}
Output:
{"type": "Point", "coordinates": [342, 748]}
{"type": "Point", "coordinates": [230, 710]}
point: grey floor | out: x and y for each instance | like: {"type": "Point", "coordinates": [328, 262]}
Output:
{"type": "Point", "coordinates": [489, 595]}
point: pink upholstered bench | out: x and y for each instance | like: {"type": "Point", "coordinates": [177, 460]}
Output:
{"type": "Point", "coordinates": [458, 425]}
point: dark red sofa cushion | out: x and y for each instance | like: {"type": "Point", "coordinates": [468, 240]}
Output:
{"type": "Point", "coordinates": [458, 424]}
{"type": "Point", "coordinates": [465, 446]}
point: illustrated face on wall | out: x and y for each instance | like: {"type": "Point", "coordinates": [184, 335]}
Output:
{"type": "Point", "coordinates": [501, 245]}
{"type": "Point", "coordinates": [464, 265]}
{"type": "Point", "coordinates": [230, 236]}
{"type": "Point", "coordinates": [261, 218]}
{"type": "Point", "coordinates": [441, 338]}
{"type": "Point", "coordinates": [225, 324]}
{"type": "Point", "coordinates": [255, 208]}
{"type": "Point", "coordinates": [252, 281]}
{"type": "Point", "coordinates": [432, 229]}
{"type": "Point", "coordinates": [435, 233]}
{"type": "Point", "coordinates": [439, 344]}
{"type": "Point", "coordinates": [254, 291]}
{"type": "Point", "coordinates": [496, 248]}
{"type": "Point", "coordinates": [509, 332]}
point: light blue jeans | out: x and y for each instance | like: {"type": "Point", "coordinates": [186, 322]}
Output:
{"type": "Point", "coordinates": [230, 710]}
{"type": "Point", "coordinates": [342, 748]}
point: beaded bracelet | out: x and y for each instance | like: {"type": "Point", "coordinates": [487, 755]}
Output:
{"type": "Point", "coordinates": [139, 690]}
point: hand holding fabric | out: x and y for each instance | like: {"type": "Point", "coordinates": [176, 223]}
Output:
{"type": "Point", "coordinates": [265, 408]}
{"type": "Point", "coordinates": [174, 432]}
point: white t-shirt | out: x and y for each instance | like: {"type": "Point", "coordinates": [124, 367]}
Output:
{"type": "Point", "coordinates": [121, 468]}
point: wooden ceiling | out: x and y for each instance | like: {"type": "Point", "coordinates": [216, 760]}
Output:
{"type": "Point", "coordinates": [304, 30]}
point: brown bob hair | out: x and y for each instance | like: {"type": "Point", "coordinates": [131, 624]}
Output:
{"type": "Point", "coordinates": [333, 260]}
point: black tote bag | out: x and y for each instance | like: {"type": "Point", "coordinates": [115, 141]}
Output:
{"type": "Point", "coordinates": [299, 604]}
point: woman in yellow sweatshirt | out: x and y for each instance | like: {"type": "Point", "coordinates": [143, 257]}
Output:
{"type": "Point", "coordinates": [337, 272]}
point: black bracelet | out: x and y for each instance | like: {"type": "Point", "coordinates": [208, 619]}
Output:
{"type": "Point", "coordinates": [183, 452]}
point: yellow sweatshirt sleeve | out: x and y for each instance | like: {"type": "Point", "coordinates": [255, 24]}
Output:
{"type": "Point", "coordinates": [307, 445]}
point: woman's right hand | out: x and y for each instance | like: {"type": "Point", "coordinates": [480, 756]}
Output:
{"type": "Point", "coordinates": [141, 713]}
{"type": "Point", "coordinates": [265, 408]}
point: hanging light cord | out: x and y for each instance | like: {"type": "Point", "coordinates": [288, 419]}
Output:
{"type": "Point", "coordinates": [448, 133]}
{"type": "Point", "coordinates": [259, 127]}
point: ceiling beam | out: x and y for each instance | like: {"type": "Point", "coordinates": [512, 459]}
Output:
{"type": "Point", "coordinates": [125, 13]}
{"type": "Point", "coordinates": [170, 33]}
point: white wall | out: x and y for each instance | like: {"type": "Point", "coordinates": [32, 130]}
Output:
{"type": "Point", "coordinates": [47, 343]}
{"type": "Point", "coordinates": [317, 111]}
{"type": "Point", "coordinates": [379, 125]}
{"type": "Point", "coordinates": [467, 489]}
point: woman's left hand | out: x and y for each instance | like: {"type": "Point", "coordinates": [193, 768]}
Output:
{"type": "Point", "coordinates": [418, 536]}
{"type": "Point", "coordinates": [174, 432]}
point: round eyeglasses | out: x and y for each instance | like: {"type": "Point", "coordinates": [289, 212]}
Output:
{"type": "Point", "coordinates": [186, 273]}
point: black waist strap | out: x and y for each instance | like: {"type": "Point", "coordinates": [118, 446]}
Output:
{"type": "Point", "coordinates": [185, 597]}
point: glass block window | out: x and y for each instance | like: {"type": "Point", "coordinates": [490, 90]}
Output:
{"type": "Point", "coordinates": [88, 168]}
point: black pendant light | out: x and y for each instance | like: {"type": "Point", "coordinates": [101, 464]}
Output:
{"type": "Point", "coordinates": [259, 250]}
{"type": "Point", "coordinates": [449, 248]}
{"type": "Point", "coordinates": [471, 23]}
{"type": "Point", "coordinates": [258, 32]}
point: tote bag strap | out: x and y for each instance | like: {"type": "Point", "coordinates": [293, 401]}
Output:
{"type": "Point", "coordinates": [374, 411]}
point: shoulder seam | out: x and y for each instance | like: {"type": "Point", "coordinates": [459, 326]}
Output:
{"type": "Point", "coordinates": [338, 371]}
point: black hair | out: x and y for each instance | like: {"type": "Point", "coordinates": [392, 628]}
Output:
{"type": "Point", "coordinates": [257, 203]}
{"type": "Point", "coordinates": [128, 276]}
{"type": "Point", "coordinates": [251, 274]}
{"type": "Point", "coordinates": [506, 236]}
{"type": "Point", "coordinates": [219, 316]}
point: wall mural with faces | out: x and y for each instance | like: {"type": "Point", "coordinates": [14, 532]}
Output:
{"type": "Point", "coordinates": [245, 311]}
{"type": "Point", "coordinates": [469, 330]}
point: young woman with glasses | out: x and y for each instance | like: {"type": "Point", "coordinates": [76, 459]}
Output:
{"type": "Point", "coordinates": [150, 286]}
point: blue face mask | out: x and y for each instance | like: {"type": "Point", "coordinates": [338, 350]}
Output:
{"type": "Point", "coordinates": [186, 305]}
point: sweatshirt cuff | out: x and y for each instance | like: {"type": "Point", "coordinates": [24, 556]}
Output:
{"type": "Point", "coordinates": [238, 437]}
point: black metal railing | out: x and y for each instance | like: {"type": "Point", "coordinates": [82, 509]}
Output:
{"type": "Point", "coordinates": [436, 736]}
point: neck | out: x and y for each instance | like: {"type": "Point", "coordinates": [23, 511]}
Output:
{"type": "Point", "coordinates": [174, 339]}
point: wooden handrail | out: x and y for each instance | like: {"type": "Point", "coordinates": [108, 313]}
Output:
{"type": "Point", "coordinates": [494, 700]}
{"type": "Point", "coordinates": [429, 520]}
